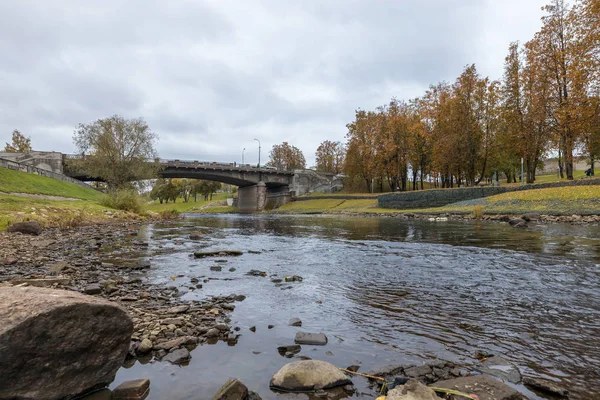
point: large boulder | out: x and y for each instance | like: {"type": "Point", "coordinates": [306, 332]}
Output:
{"type": "Point", "coordinates": [484, 386]}
{"type": "Point", "coordinates": [305, 375]}
{"type": "Point", "coordinates": [27, 227]}
{"type": "Point", "coordinates": [57, 344]}
{"type": "Point", "coordinates": [412, 390]}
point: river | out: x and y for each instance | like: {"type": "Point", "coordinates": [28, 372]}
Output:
{"type": "Point", "coordinates": [385, 291]}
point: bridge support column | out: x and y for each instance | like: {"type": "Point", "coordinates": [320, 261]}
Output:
{"type": "Point", "coordinates": [252, 198]}
{"type": "Point", "coordinates": [259, 197]}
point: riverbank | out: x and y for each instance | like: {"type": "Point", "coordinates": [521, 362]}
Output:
{"type": "Point", "coordinates": [108, 261]}
{"type": "Point", "coordinates": [580, 204]}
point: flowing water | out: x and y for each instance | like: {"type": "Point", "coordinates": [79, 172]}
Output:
{"type": "Point", "coordinates": [385, 291]}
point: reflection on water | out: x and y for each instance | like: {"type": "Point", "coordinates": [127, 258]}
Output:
{"type": "Point", "coordinates": [387, 291]}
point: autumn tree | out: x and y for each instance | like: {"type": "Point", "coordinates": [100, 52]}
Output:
{"type": "Point", "coordinates": [286, 157]}
{"type": "Point", "coordinates": [117, 150]}
{"type": "Point", "coordinates": [330, 157]}
{"type": "Point", "coordinates": [19, 144]}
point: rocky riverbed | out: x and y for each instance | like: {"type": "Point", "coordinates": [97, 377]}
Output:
{"type": "Point", "coordinates": [172, 311]}
{"type": "Point", "coordinates": [165, 328]}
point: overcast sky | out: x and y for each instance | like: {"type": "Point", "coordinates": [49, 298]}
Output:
{"type": "Point", "coordinates": [210, 76]}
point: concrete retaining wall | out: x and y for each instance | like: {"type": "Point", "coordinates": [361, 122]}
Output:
{"type": "Point", "coordinates": [39, 171]}
{"type": "Point", "coordinates": [308, 181]}
{"type": "Point", "coordinates": [49, 160]}
{"type": "Point", "coordinates": [442, 197]}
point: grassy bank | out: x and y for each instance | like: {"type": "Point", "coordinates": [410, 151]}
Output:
{"type": "Point", "coordinates": [559, 201]}
{"type": "Point", "coordinates": [22, 182]}
{"type": "Point", "coordinates": [85, 210]}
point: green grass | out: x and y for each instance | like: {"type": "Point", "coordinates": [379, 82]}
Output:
{"type": "Point", "coordinates": [556, 178]}
{"type": "Point", "coordinates": [563, 200]}
{"type": "Point", "coordinates": [183, 207]}
{"type": "Point", "coordinates": [48, 212]}
{"type": "Point", "coordinates": [22, 182]}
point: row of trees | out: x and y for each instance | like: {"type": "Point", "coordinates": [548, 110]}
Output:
{"type": "Point", "coordinates": [170, 189]}
{"type": "Point", "coordinates": [461, 133]}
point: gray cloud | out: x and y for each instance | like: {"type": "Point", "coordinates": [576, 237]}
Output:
{"type": "Point", "coordinates": [211, 76]}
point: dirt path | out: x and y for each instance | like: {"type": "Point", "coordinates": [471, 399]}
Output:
{"type": "Point", "coordinates": [40, 196]}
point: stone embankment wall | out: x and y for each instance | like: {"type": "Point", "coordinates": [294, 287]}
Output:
{"type": "Point", "coordinates": [39, 171]}
{"type": "Point", "coordinates": [308, 181]}
{"type": "Point", "coordinates": [442, 197]}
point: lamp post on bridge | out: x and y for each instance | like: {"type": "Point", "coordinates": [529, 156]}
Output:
{"type": "Point", "coordinates": [258, 152]}
{"type": "Point", "coordinates": [244, 149]}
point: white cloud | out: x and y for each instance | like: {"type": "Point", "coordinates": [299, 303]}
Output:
{"type": "Point", "coordinates": [210, 76]}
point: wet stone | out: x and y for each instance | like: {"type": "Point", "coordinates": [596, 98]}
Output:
{"type": "Point", "coordinates": [136, 389]}
{"type": "Point", "coordinates": [178, 356]}
{"type": "Point", "coordinates": [318, 339]}
{"type": "Point", "coordinates": [295, 322]}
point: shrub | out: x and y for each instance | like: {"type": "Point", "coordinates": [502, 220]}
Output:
{"type": "Point", "coordinates": [126, 200]}
{"type": "Point", "coordinates": [169, 214]}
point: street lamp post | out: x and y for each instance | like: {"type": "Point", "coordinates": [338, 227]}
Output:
{"type": "Point", "coordinates": [258, 152]}
{"type": "Point", "coordinates": [244, 149]}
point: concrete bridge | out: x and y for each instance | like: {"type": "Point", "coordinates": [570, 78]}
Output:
{"type": "Point", "coordinates": [259, 188]}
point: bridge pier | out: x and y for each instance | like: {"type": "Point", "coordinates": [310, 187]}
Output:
{"type": "Point", "coordinates": [259, 197]}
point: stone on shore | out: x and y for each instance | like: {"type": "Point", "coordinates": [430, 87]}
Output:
{"type": "Point", "coordinates": [412, 390]}
{"type": "Point", "coordinates": [485, 387]}
{"type": "Point", "coordinates": [145, 346]}
{"type": "Point", "coordinates": [308, 375]}
{"type": "Point", "coordinates": [501, 368]}
{"type": "Point", "coordinates": [132, 390]}
{"type": "Point", "coordinates": [27, 228]}
{"type": "Point", "coordinates": [79, 342]}
{"type": "Point", "coordinates": [233, 389]}
{"type": "Point", "coordinates": [546, 386]}
{"type": "Point", "coordinates": [196, 235]}
{"type": "Point", "coordinates": [318, 339]}
{"type": "Point", "coordinates": [178, 356]}
{"type": "Point", "coordinates": [94, 288]}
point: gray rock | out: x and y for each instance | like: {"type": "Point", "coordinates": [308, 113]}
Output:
{"type": "Point", "coordinates": [27, 227]}
{"type": "Point", "coordinates": [217, 268]}
{"type": "Point", "coordinates": [79, 342]}
{"type": "Point", "coordinates": [416, 372]}
{"type": "Point", "coordinates": [177, 356]}
{"type": "Point", "coordinates": [93, 289]}
{"type": "Point", "coordinates": [255, 272]}
{"type": "Point", "coordinates": [486, 387]}
{"type": "Point", "coordinates": [221, 326]}
{"type": "Point", "coordinates": [308, 375]}
{"type": "Point", "coordinates": [293, 348]}
{"type": "Point", "coordinates": [295, 322]}
{"type": "Point", "coordinates": [387, 370]}
{"type": "Point", "coordinates": [232, 269]}
{"type": "Point", "coordinates": [175, 343]}
{"type": "Point", "coordinates": [145, 346]}
{"type": "Point", "coordinates": [293, 278]}
{"type": "Point", "coordinates": [546, 386]}
{"type": "Point", "coordinates": [196, 235]}
{"type": "Point", "coordinates": [318, 339]}
{"type": "Point", "coordinates": [136, 389]}
{"type": "Point", "coordinates": [213, 333]}
{"type": "Point", "coordinates": [502, 368]}
{"type": "Point", "coordinates": [253, 396]}
{"type": "Point", "coordinates": [178, 309]}
{"type": "Point", "coordinates": [518, 223]}
{"type": "Point", "coordinates": [233, 389]}
{"type": "Point", "coordinates": [42, 282]}
{"type": "Point", "coordinates": [412, 390]}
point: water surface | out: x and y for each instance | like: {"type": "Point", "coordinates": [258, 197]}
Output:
{"type": "Point", "coordinates": [386, 291]}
